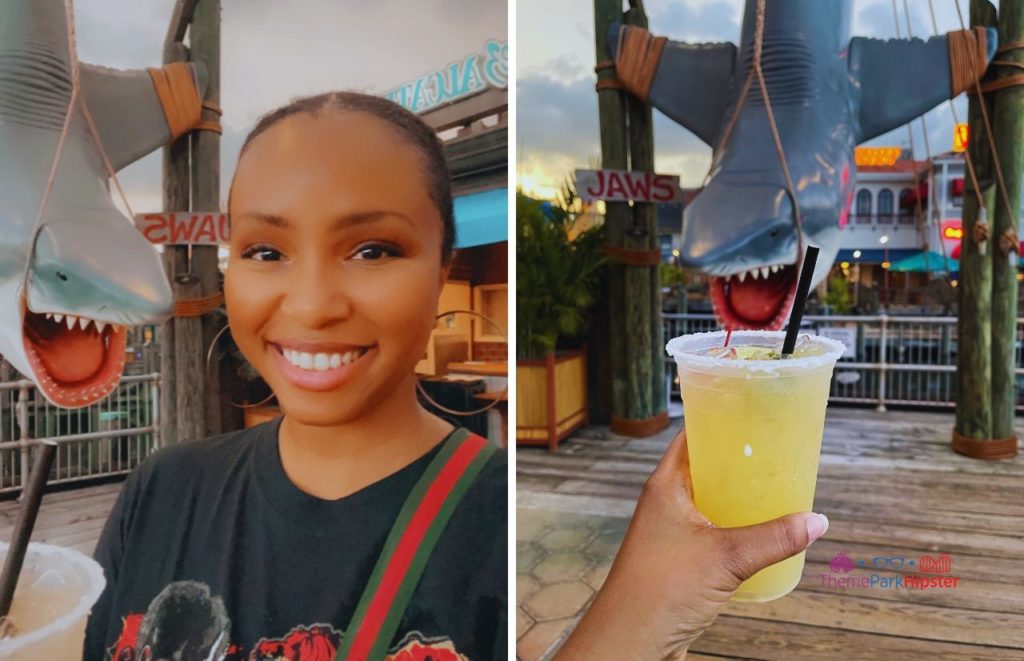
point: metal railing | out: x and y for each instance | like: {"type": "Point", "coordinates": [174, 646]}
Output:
{"type": "Point", "coordinates": [893, 218]}
{"type": "Point", "coordinates": [890, 360]}
{"type": "Point", "coordinates": [111, 437]}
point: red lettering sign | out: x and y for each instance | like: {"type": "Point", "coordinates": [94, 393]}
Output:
{"type": "Point", "coordinates": [627, 185]}
{"type": "Point", "coordinates": [184, 228]}
{"type": "Point", "coordinates": [595, 191]}
{"type": "Point", "coordinates": [616, 190]}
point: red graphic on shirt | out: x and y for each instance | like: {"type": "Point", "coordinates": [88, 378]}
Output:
{"type": "Point", "coordinates": [318, 642]}
{"type": "Point", "coordinates": [417, 650]}
{"type": "Point", "coordinates": [124, 650]}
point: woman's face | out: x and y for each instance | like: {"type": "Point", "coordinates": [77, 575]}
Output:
{"type": "Point", "coordinates": [335, 268]}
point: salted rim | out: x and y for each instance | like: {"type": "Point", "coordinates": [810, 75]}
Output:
{"type": "Point", "coordinates": [81, 609]}
{"type": "Point", "coordinates": [678, 347]}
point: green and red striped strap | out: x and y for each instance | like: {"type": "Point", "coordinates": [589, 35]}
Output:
{"type": "Point", "coordinates": [409, 544]}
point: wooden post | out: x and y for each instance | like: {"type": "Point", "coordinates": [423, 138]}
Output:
{"type": "Point", "coordinates": [175, 197]}
{"type": "Point", "coordinates": [612, 118]}
{"type": "Point", "coordinates": [974, 328]}
{"type": "Point", "coordinates": [204, 41]}
{"type": "Point", "coordinates": [191, 182]}
{"type": "Point", "coordinates": [648, 400]}
{"type": "Point", "coordinates": [1008, 130]}
{"type": "Point", "coordinates": [638, 397]}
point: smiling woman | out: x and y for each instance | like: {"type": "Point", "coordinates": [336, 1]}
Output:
{"type": "Point", "coordinates": [315, 529]}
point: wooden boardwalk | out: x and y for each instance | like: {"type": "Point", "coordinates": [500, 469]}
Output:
{"type": "Point", "coordinates": [72, 518]}
{"type": "Point", "coordinates": [890, 486]}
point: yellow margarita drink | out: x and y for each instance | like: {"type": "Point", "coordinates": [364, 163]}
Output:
{"type": "Point", "coordinates": [753, 427]}
{"type": "Point", "coordinates": [56, 589]}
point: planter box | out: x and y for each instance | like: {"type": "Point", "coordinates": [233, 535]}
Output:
{"type": "Point", "coordinates": [551, 398]}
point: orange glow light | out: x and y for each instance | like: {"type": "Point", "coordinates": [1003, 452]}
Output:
{"type": "Point", "coordinates": [961, 135]}
{"type": "Point", "coordinates": [876, 156]}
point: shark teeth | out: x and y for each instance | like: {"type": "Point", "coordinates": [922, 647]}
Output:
{"type": "Point", "coordinates": [758, 273]}
{"type": "Point", "coordinates": [72, 322]}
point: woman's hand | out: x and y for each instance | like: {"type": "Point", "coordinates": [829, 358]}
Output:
{"type": "Point", "coordinates": [675, 570]}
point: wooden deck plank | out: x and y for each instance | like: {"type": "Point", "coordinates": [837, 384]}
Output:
{"type": "Point", "coordinates": [891, 486]}
{"type": "Point", "coordinates": [971, 594]}
{"type": "Point", "coordinates": [765, 639]}
{"type": "Point", "coordinates": [72, 518]}
{"type": "Point", "coordinates": [842, 610]}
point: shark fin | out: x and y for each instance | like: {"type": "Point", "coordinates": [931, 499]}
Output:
{"type": "Point", "coordinates": [890, 95]}
{"type": "Point", "coordinates": [128, 110]}
{"type": "Point", "coordinates": [691, 82]}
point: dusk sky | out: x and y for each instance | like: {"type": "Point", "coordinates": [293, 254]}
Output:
{"type": "Point", "coordinates": [557, 106]}
{"type": "Point", "coordinates": [274, 51]}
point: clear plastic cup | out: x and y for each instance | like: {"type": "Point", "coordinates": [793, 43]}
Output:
{"type": "Point", "coordinates": [55, 592]}
{"type": "Point", "coordinates": [753, 430]}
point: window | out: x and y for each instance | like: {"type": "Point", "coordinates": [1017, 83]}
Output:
{"type": "Point", "coordinates": [908, 207]}
{"type": "Point", "coordinates": [885, 211]}
{"type": "Point", "coordinates": [864, 207]}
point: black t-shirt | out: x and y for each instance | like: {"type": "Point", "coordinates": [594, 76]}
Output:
{"type": "Point", "coordinates": [213, 544]}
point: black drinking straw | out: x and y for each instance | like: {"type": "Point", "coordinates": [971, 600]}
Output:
{"type": "Point", "coordinates": [31, 498]}
{"type": "Point", "coordinates": [802, 289]}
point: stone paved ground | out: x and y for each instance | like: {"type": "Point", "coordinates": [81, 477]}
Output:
{"type": "Point", "coordinates": [561, 560]}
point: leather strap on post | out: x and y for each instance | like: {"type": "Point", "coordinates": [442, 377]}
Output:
{"type": "Point", "coordinates": [211, 124]}
{"type": "Point", "coordinates": [1010, 46]}
{"type": "Point", "coordinates": [1002, 83]}
{"type": "Point", "coordinates": [981, 232]}
{"type": "Point", "coordinates": [609, 84]}
{"type": "Point", "coordinates": [197, 307]}
{"type": "Point", "coordinates": [1008, 242]}
{"type": "Point", "coordinates": [606, 83]}
{"type": "Point", "coordinates": [631, 257]}
{"type": "Point", "coordinates": [179, 97]}
{"type": "Point", "coordinates": [968, 50]}
{"type": "Point", "coordinates": [637, 59]}
{"type": "Point", "coordinates": [990, 449]}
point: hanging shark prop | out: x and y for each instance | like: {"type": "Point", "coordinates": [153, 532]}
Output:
{"type": "Point", "coordinates": [73, 278]}
{"type": "Point", "coordinates": [828, 93]}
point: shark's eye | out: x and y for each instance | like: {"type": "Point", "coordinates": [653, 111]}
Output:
{"type": "Point", "coordinates": [62, 276]}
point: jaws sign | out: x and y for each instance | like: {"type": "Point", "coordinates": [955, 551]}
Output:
{"type": "Point", "coordinates": [184, 228]}
{"type": "Point", "coordinates": [626, 185]}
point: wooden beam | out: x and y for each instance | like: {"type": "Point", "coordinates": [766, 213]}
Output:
{"type": "Point", "coordinates": [180, 19]}
{"type": "Point", "coordinates": [175, 198]}
{"type": "Point", "coordinates": [466, 110]}
{"type": "Point", "coordinates": [974, 322]}
{"type": "Point", "coordinates": [617, 218]}
{"type": "Point", "coordinates": [1008, 131]}
{"type": "Point", "coordinates": [204, 39]}
{"type": "Point", "coordinates": [643, 289]}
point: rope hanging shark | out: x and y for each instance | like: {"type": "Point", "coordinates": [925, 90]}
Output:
{"type": "Point", "coordinates": [828, 92]}
{"type": "Point", "coordinates": [72, 278]}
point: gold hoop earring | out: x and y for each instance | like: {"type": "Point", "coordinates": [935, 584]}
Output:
{"type": "Point", "coordinates": [209, 358]}
{"type": "Point", "coordinates": [504, 392]}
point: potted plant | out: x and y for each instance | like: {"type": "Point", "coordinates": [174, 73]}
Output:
{"type": "Point", "coordinates": [559, 265]}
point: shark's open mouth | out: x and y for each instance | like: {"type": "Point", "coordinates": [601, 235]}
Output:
{"type": "Point", "coordinates": [77, 361]}
{"type": "Point", "coordinates": [756, 299]}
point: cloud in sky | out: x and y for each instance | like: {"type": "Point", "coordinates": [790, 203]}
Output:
{"type": "Point", "coordinates": [273, 51]}
{"type": "Point", "coordinates": [557, 120]}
